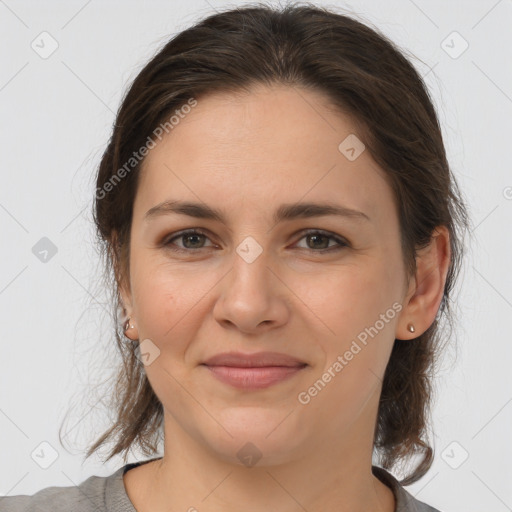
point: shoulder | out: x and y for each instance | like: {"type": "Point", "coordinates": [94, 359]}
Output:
{"type": "Point", "coordinates": [96, 494]}
{"type": "Point", "coordinates": [405, 501]}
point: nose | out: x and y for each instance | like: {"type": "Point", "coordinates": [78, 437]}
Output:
{"type": "Point", "coordinates": [252, 296]}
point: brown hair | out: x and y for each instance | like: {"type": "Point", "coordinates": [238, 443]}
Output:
{"type": "Point", "coordinates": [365, 76]}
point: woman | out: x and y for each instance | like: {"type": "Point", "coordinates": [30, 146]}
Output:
{"type": "Point", "coordinates": [277, 210]}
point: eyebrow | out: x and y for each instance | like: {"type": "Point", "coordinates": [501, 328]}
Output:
{"type": "Point", "coordinates": [284, 212]}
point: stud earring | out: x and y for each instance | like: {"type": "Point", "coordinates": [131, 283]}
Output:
{"type": "Point", "coordinates": [411, 328]}
{"type": "Point", "coordinates": [127, 325]}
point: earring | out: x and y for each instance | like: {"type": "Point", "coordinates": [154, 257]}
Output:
{"type": "Point", "coordinates": [127, 325]}
{"type": "Point", "coordinates": [411, 328]}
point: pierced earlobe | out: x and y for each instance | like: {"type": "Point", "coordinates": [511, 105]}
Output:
{"type": "Point", "coordinates": [128, 327]}
{"type": "Point", "coordinates": [411, 328]}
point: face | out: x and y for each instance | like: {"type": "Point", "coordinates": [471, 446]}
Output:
{"type": "Point", "coordinates": [325, 290]}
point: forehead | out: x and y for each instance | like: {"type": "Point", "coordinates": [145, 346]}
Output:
{"type": "Point", "coordinates": [265, 147]}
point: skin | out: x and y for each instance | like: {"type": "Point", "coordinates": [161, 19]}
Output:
{"type": "Point", "coordinates": [247, 154]}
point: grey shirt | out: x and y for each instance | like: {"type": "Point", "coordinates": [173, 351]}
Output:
{"type": "Point", "coordinates": [108, 494]}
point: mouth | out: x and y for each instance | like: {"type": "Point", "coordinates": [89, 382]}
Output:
{"type": "Point", "coordinates": [253, 371]}
{"type": "Point", "coordinates": [255, 377]}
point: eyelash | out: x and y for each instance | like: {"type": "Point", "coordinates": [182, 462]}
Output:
{"type": "Point", "coordinates": [341, 242]}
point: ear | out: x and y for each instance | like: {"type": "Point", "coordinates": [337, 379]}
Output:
{"type": "Point", "coordinates": [426, 288]}
{"type": "Point", "coordinates": [126, 299]}
{"type": "Point", "coordinates": [122, 283]}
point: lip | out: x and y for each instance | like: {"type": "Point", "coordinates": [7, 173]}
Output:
{"type": "Point", "coordinates": [254, 360]}
{"type": "Point", "coordinates": [253, 371]}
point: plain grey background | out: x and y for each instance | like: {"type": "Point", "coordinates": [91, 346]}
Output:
{"type": "Point", "coordinates": [57, 110]}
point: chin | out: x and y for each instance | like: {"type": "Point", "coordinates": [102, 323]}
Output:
{"type": "Point", "coordinates": [259, 438]}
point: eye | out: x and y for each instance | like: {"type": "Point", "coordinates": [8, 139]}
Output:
{"type": "Point", "coordinates": [320, 238]}
{"type": "Point", "coordinates": [193, 240]}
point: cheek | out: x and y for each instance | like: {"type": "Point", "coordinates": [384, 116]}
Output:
{"type": "Point", "coordinates": [347, 299]}
{"type": "Point", "coordinates": [168, 309]}
{"type": "Point", "coordinates": [161, 302]}
{"type": "Point", "coordinates": [357, 350]}
{"type": "Point", "coordinates": [356, 309]}
{"type": "Point", "coordinates": [171, 303]}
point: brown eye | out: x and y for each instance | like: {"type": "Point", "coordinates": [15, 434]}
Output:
{"type": "Point", "coordinates": [191, 240]}
{"type": "Point", "coordinates": [318, 241]}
